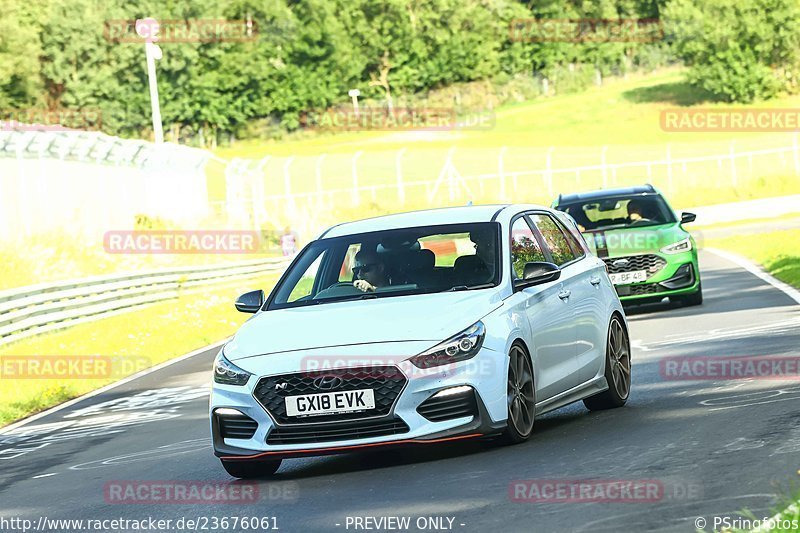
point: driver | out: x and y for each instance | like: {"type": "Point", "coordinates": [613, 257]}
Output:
{"type": "Point", "coordinates": [484, 238]}
{"type": "Point", "coordinates": [370, 271]}
{"type": "Point", "coordinates": [636, 211]}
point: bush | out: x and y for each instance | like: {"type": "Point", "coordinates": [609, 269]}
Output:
{"type": "Point", "coordinates": [739, 50]}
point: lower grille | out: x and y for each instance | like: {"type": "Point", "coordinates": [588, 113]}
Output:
{"type": "Point", "coordinates": [437, 409]}
{"type": "Point", "coordinates": [387, 382]}
{"type": "Point", "coordinates": [648, 288]}
{"type": "Point", "coordinates": [237, 427]}
{"type": "Point", "coordinates": [632, 263]}
{"type": "Point", "coordinates": [360, 429]}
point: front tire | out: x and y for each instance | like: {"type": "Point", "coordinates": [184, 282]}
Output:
{"type": "Point", "coordinates": [618, 370]}
{"type": "Point", "coordinates": [521, 397]}
{"type": "Point", "coordinates": [251, 469]}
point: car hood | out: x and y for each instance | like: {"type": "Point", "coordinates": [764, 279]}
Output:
{"type": "Point", "coordinates": [424, 317]}
{"type": "Point", "coordinates": [628, 241]}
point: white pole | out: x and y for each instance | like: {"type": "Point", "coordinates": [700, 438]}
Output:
{"type": "Point", "coordinates": [401, 192]}
{"type": "Point", "coordinates": [148, 29]}
{"type": "Point", "coordinates": [287, 178]}
{"type": "Point", "coordinates": [354, 94]}
{"type": "Point", "coordinates": [669, 168]}
{"type": "Point", "coordinates": [501, 171]}
{"type": "Point", "coordinates": [603, 164]}
{"type": "Point", "coordinates": [549, 175]}
{"type": "Point", "coordinates": [356, 198]}
{"type": "Point", "coordinates": [320, 159]}
{"type": "Point", "coordinates": [796, 154]}
{"type": "Point", "coordinates": [734, 179]}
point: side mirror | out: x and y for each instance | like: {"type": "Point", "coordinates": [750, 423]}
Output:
{"type": "Point", "coordinates": [536, 273]}
{"type": "Point", "coordinates": [688, 217]}
{"type": "Point", "coordinates": [250, 302]}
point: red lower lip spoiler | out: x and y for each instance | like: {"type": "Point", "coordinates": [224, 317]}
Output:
{"type": "Point", "coordinates": [334, 449]}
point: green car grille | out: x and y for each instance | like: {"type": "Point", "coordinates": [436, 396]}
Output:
{"type": "Point", "coordinates": [649, 262]}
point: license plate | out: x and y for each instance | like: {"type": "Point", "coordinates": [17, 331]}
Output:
{"type": "Point", "coordinates": [628, 277]}
{"type": "Point", "coordinates": [327, 403]}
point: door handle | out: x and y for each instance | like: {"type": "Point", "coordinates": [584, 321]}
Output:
{"type": "Point", "coordinates": [564, 295]}
{"type": "Point", "coordinates": [595, 280]}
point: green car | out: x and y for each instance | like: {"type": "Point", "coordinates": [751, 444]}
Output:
{"type": "Point", "coordinates": [648, 253]}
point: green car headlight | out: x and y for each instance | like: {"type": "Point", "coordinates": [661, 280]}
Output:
{"type": "Point", "coordinates": [681, 246]}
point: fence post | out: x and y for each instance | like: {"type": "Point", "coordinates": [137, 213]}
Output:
{"type": "Point", "coordinates": [356, 198]}
{"type": "Point", "coordinates": [501, 172]}
{"type": "Point", "coordinates": [604, 164]}
{"type": "Point", "coordinates": [669, 168]}
{"type": "Point", "coordinates": [451, 183]}
{"type": "Point", "coordinates": [318, 175]}
{"type": "Point", "coordinates": [549, 173]}
{"type": "Point", "coordinates": [401, 192]}
{"type": "Point", "coordinates": [259, 208]}
{"type": "Point", "coordinates": [287, 186]}
{"type": "Point", "coordinates": [734, 179]}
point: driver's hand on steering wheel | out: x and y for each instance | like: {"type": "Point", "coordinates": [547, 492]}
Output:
{"type": "Point", "coordinates": [363, 285]}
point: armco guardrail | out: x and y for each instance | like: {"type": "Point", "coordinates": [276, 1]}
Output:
{"type": "Point", "coordinates": [35, 309]}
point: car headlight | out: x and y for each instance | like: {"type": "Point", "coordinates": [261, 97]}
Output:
{"type": "Point", "coordinates": [460, 347]}
{"type": "Point", "coordinates": [227, 373]}
{"type": "Point", "coordinates": [681, 246]}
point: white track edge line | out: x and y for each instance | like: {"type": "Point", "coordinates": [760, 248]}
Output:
{"type": "Point", "coordinates": [108, 387]}
{"type": "Point", "coordinates": [759, 272]}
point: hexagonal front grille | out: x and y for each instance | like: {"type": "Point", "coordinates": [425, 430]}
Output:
{"type": "Point", "coordinates": [649, 262]}
{"type": "Point", "coordinates": [387, 382]}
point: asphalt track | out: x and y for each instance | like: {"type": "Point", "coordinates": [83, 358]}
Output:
{"type": "Point", "coordinates": [712, 447]}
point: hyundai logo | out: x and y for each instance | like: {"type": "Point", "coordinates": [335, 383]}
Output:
{"type": "Point", "coordinates": [328, 382]}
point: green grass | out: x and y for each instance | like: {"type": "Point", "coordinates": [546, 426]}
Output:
{"type": "Point", "coordinates": [140, 338]}
{"type": "Point", "coordinates": [622, 115]}
{"type": "Point", "coordinates": [53, 257]}
{"type": "Point", "coordinates": [778, 252]}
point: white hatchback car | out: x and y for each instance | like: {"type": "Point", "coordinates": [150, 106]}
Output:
{"type": "Point", "coordinates": [420, 328]}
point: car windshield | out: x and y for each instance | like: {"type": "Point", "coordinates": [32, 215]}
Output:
{"type": "Point", "coordinates": [392, 263]}
{"type": "Point", "coordinates": [620, 212]}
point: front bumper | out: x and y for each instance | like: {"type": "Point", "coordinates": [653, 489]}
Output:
{"type": "Point", "coordinates": [679, 276]}
{"type": "Point", "coordinates": [405, 423]}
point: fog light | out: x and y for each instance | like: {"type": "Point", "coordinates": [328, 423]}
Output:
{"type": "Point", "coordinates": [452, 391]}
{"type": "Point", "coordinates": [227, 411]}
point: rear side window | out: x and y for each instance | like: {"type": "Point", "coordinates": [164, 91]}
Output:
{"type": "Point", "coordinates": [524, 247]}
{"type": "Point", "coordinates": [555, 239]}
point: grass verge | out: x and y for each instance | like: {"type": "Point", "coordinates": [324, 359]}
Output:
{"type": "Point", "coordinates": [777, 251]}
{"type": "Point", "coordinates": [139, 339]}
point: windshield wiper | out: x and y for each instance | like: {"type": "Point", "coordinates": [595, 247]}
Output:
{"type": "Point", "coordinates": [469, 288]}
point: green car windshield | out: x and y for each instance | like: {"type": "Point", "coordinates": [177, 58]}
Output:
{"type": "Point", "coordinates": [620, 212]}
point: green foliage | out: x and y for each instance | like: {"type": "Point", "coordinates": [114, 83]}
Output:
{"type": "Point", "coordinates": [739, 50]}
{"type": "Point", "coordinates": [307, 55]}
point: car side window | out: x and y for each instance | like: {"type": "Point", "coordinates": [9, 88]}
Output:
{"type": "Point", "coordinates": [572, 233]}
{"type": "Point", "coordinates": [346, 270]}
{"type": "Point", "coordinates": [524, 247]}
{"type": "Point", "coordinates": [554, 238]}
